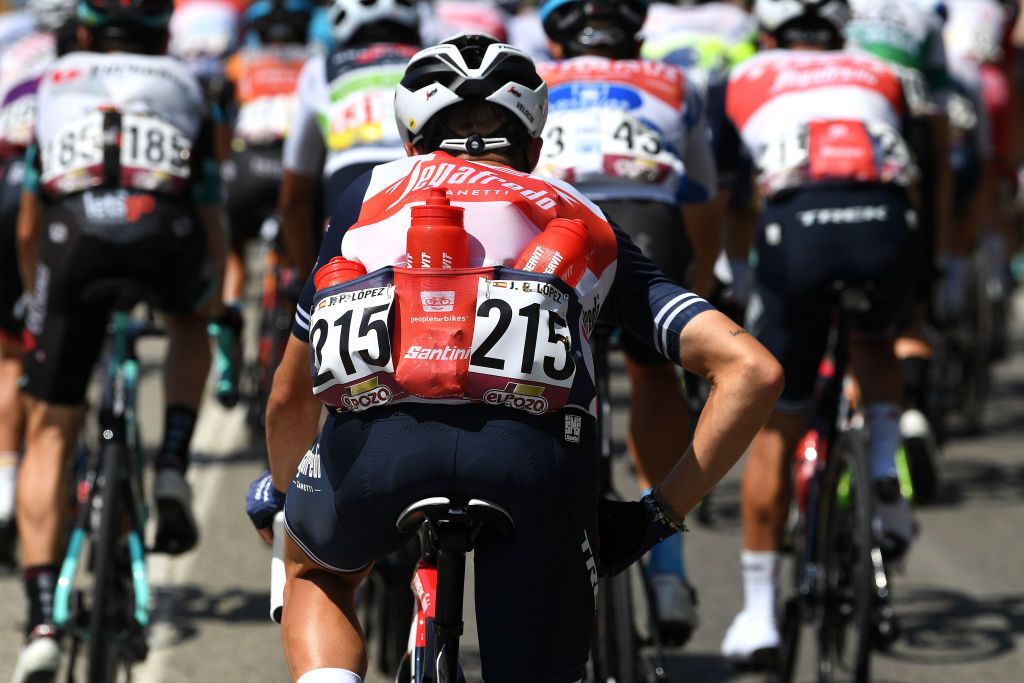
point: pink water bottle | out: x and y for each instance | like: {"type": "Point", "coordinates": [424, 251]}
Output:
{"type": "Point", "coordinates": [436, 237]}
{"type": "Point", "coordinates": [339, 269]}
{"type": "Point", "coordinates": [561, 249]}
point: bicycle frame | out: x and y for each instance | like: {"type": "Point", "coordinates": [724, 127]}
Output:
{"type": "Point", "coordinates": [118, 424]}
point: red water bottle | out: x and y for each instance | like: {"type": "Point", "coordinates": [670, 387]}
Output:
{"type": "Point", "coordinates": [339, 269]}
{"type": "Point", "coordinates": [436, 237]}
{"type": "Point", "coordinates": [561, 249]}
{"type": "Point", "coordinates": [811, 449]}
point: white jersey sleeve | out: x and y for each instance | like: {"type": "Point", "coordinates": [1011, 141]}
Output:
{"type": "Point", "coordinates": [304, 147]}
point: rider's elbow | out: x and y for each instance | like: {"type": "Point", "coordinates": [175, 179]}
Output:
{"type": "Point", "coordinates": [764, 377]}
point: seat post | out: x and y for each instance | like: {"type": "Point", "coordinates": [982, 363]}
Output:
{"type": "Point", "coordinates": [452, 545]}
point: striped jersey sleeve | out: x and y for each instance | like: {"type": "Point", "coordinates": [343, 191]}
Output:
{"type": "Point", "coordinates": [646, 303]}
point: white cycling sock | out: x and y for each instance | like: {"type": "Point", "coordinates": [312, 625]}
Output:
{"type": "Point", "coordinates": [8, 476]}
{"type": "Point", "coordinates": [884, 427]}
{"type": "Point", "coordinates": [760, 569]}
{"type": "Point", "coordinates": [329, 676]}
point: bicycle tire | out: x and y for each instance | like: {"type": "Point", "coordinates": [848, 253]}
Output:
{"type": "Point", "coordinates": [101, 652]}
{"type": "Point", "coordinates": [616, 649]}
{"type": "Point", "coordinates": [846, 589]}
{"type": "Point", "coordinates": [975, 331]}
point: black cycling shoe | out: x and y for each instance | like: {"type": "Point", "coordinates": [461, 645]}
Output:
{"type": "Point", "coordinates": [176, 530]}
{"type": "Point", "coordinates": [765, 659]}
{"type": "Point", "coordinates": [8, 540]}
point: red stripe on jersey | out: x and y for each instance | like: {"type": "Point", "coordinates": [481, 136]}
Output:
{"type": "Point", "coordinates": [770, 76]}
{"type": "Point", "coordinates": [470, 182]}
{"type": "Point", "coordinates": [663, 81]}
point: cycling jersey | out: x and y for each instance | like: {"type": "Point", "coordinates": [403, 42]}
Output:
{"type": "Point", "coordinates": [451, 17]}
{"type": "Point", "coordinates": [976, 30]}
{"type": "Point", "coordinates": [345, 112]}
{"type": "Point", "coordinates": [626, 129]}
{"type": "Point", "coordinates": [154, 101]}
{"type": "Point", "coordinates": [264, 81]}
{"type": "Point", "coordinates": [125, 154]}
{"type": "Point", "coordinates": [820, 117]}
{"type": "Point", "coordinates": [13, 25]}
{"type": "Point", "coordinates": [906, 34]}
{"type": "Point", "coordinates": [504, 209]}
{"type": "Point", "coordinates": [526, 32]}
{"type": "Point", "coordinates": [24, 61]}
{"type": "Point", "coordinates": [204, 28]}
{"type": "Point", "coordinates": [713, 35]}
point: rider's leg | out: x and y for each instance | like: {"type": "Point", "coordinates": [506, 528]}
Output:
{"type": "Point", "coordinates": [185, 372]}
{"type": "Point", "coordinates": [319, 625]}
{"type": "Point", "coordinates": [12, 424]}
{"type": "Point", "coordinates": [881, 384]}
{"type": "Point", "coordinates": [42, 499]}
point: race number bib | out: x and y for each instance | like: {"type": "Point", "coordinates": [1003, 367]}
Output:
{"type": "Point", "coordinates": [522, 351]}
{"type": "Point", "coordinates": [362, 111]}
{"type": "Point", "coordinates": [580, 146]}
{"type": "Point", "coordinates": [154, 155]}
{"type": "Point", "coordinates": [73, 159]}
{"type": "Point", "coordinates": [17, 120]}
{"type": "Point", "coordinates": [266, 119]}
{"type": "Point", "coordinates": [350, 340]}
{"type": "Point", "coordinates": [845, 150]}
{"type": "Point", "coordinates": [434, 335]}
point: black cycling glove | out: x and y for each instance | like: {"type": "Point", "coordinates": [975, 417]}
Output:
{"type": "Point", "coordinates": [627, 530]}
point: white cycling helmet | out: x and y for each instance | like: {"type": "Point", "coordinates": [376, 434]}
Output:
{"type": "Point", "coordinates": [775, 15]}
{"type": "Point", "coordinates": [345, 17]}
{"type": "Point", "coordinates": [50, 15]}
{"type": "Point", "coordinates": [471, 66]}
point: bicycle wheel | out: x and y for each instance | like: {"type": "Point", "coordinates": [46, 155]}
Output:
{"type": "Point", "coordinates": [846, 589]}
{"type": "Point", "coordinates": [616, 657]}
{"type": "Point", "coordinates": [792, 621]}
{"type": "Point", "coordinates": [102, 651]}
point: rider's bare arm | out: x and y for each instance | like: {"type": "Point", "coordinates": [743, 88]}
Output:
{"type": "Point", "coordinates": [293, 413]}
{"type": "Point", "coordinates": [297, 204]}
{"type": "Point", "coordinates": [746, 381]}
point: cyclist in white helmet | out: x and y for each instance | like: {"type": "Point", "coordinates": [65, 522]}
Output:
{"type": "Point", "coordinates": [344, 121]}
{"type": "Point", "coordinates": [471, 113]}
{"type": "Point", "coordinates": [825, 128]}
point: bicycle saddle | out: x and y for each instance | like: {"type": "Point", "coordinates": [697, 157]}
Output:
{"type": "Point", "coordinates": [441, 513]}
{"type": "Point", "coordinates": [853, 299]}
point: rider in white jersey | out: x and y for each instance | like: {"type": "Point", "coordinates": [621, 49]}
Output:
{"type": "Point", "coordinates": [825, 128]}
{"type": "Point", "coordinates": [632, 135]}
{"type": "Point", "coordinates": [24, 55]}
{"type": "Point", "coordinates": [122, 184]}
{"type": "Point", "coordinates": [712, 35]}
{"type": "Point", "coordinates": [344, 121]}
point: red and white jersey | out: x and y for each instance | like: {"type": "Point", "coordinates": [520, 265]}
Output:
{"type": "Point", "coordinates": [487, 332]}
{"type": "Point", "coordinates": [158, 109]}
{"type": "Point", "coordinates": [820, 116]}
{"type": "Point", "coordinates": [627, 129]}
{"type": "Point", "coordinates": [23, 64]}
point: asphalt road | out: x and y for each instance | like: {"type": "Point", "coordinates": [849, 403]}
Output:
{"type": "Point", "coordinates": [960, 599]}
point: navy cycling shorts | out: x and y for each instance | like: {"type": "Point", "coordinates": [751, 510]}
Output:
{"type": "Point", "coordinates": [865, 236]}
{"type": "Point", "coordinates": [535, 592]}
